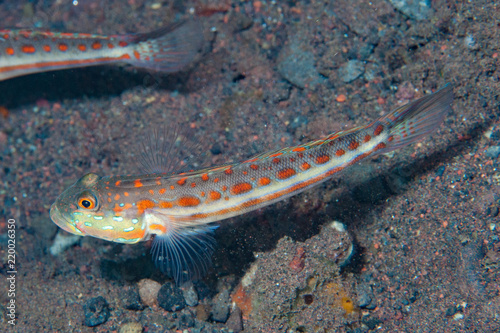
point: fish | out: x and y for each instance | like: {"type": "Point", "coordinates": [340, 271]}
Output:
{"type": "Point", "coordinates": [180, 211]}
{"type": "Point", "coordinates": [167, 49]}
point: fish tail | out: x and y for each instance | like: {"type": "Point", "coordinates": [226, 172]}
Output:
{"type": "Point", "coordinates": [414, 121]}
{"type": "Point", "coordinates": [167, 49]}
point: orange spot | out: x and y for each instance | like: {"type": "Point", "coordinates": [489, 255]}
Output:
{"type": "Point", "coordinates": [10, 51]}
{"type": "Point", "coordinates": [110, 46]}
{"type": "Point", "coordinates": [158, 182]}
{"type": "Point", "coordinates": [109, 200]}
{"type": "Point", "coordinates": [28, 49]}
{"type": "Point", "coordinates": [254, 167]}
{"type": "Point", "coordinates": [123, 44]}
{"type": "Point", "coordinates": [172, 187]}
{"type": "Point", "coordinates": [214, 195]}
{"type": "Point", "coordinates": [243, 300]}
{"type": "Point", "coordinates": [378, 130]}
{"type": "Point", "coordinates": [298, 149]}
{"type": "Point", "coordinates": [142, 205]}
{"type": "Point", "coordinates": [228, 171]}
{"type": "Point", "coordinates": [340, 152]}
{"type": "Point", "coordinates": [240, 188]}
{"type": "Point", "coordinates": [275, 155]}
{"type": "Point", "coordinates": [341, 98]}
{"type": "Point", "coordinates": [224, 188]}
{"type": "Point", "coordinates": [118, 182]}
{"type": "Point", "coordinates": [82, 47]}
{"type": "Point", "coordinates": [63, 47]}
{"type": "Point", "coordinates": [216, 180]}
{"type": "Point", "coordinates": [276, 160]}
{"type": "Point", "coordinates": [380, 146]}
{"type": "Point", "coordinates": [193, 184]}
{"type": "Point", "coordinates": [96, 45]}
{"type": "Point", "coordinates": [137, 55]}
{"type": "Point", "coordinates": [263, 181]}
{"type": "Point", "coordinates": [165, 204]}
{"type": "Point", "coordinates": [137, 183]}
{"type": "Point", "coordinates": [204, 177]}
{"type": "Point", "coordinates": [125, 194]}
{"type": "Point", "coordinates": [182, 181]}
{"type": "Point", "coordinates": [322, 159]}
{"type": "Point", "coordinates": [162, 191]}
{"type": "Point", "coordinates": [305, 166]}
{"type": "Point", "coordinates": [347, 304]}
{"type": "Point", "coordinates": [202, 194]}
{"type": "Point", "coordinates": [285, 173]}
{"type": "Point", "coordinates": [4, 112]}
{"type": "Point", "coordinates": [188, 201]}
{"type": "Point", "coordinates": [245, 173]}
{"type": "Point", "coordinates": [158, 227]}
{"type": "Point", "coordinates": [353, 145]}
{"type": "Point", "coordinates": [390, 138]}
{"type": "Point", "coordinates": [117, 197]}
{"type": "Point", "coordinates": [151, 192]}
{"type": "Point", "coordinates": [367, 138]}
{"type": "Point", "coordinates": [117, 209]}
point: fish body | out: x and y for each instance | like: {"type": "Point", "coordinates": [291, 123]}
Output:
{"type": "Point", "coordinates": [180, 209]}
{"type": "Point", "coordinates": [167, 49]}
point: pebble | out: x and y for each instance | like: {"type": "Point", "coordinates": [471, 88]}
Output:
{"type": "Point", "coordinates": [351, 70]}
{"type": "Point", "coordinates": [235, 322]}
{"type": "Point", "coordinates": [493, 152]}
{"type": "Point", "coordinates": [132, 327]}
{"type": "Point", "coordinates": [170, 298]}
{"type": "Point", "coordinates": [96, 311]}
{"type": "Point", "coordinates": [190, 294]}
{"type": "Point", "coordinates": [148, 291]}
{"type": "Point", "coordinates": [415, 9]}
{"type": "Point", "coordinates": [220, 306]}
{"type": "Point", "coordinates": [131, 300]}
{"type": "Point", "coordinates": [296, 65]}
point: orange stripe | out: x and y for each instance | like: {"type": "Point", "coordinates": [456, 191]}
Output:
{"type": "Point", "coordinates": [63, 64]}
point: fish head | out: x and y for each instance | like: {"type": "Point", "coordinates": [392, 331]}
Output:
{"type": "Point", "coordinates": [83, 210]}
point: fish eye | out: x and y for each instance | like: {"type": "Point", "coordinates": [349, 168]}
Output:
{"type": "Point", "coordinates": [87, 201]}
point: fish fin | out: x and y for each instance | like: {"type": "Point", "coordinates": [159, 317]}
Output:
{"type": "Point", "coordinates": [413, 121]}
{"type": "Point", "coordinates": [170, 149]}
{"type": "Point", "coordinates": [167, 49]}
{"type": "Point", "coordinates": [184, 252]}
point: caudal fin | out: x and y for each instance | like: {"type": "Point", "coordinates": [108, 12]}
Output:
{"type": "Point", "coordinates": [415, 120]}
{"type": "Point", "coordinates": [167, 49]}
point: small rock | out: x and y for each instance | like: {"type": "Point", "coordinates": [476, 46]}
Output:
{"type": "Point", "coordinates": [131, 300]}
{"type": "Point", "coordinates": [132, 327]}
{"type": "Point", "coordinates": [364, 295]}
{"type": "Point", "coordinates": [190, 294]}
{"type": "Point", "coordinates": [96, 311]}
{"type": "Point", "coordinates": [170, 298]}
{"type": "Point", "coordinates": [202, 312]}
{"type": "Point", "coordinates": [185, 319]}
{"type": "Point", "coordinates": [493, 152]}
{"type": "Point", "coordinates": [415, 9]}
{"type": "Point", "coordinates": [296, 65]}
{"type": "Point", "coordinates": [220, 307]}
{"type": "Point", "coordinates": [406, 90]}
{"type": "Point", "coordinates": [235, 322]}
{"type": "Point", "coordinates": [148, 290]}
{"type": "Point", "coordinates": [351, 70]}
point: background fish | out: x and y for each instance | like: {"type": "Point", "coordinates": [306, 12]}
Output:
{"type": "Point", "coordinates": [167, 49]}
{"type": "Point", "coordinates": [179, 209]}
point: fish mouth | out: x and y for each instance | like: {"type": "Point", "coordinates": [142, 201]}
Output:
{"type": "Point", "coordinates": [61, 221]}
